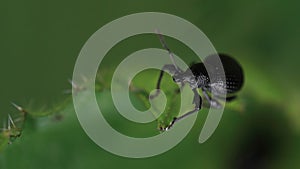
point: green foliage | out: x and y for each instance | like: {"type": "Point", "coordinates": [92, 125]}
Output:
{"type": "Point", "coordinates": [41, 41]}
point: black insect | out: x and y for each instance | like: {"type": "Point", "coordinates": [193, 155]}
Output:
{"type": "Point", "coordinates": [197, 77]}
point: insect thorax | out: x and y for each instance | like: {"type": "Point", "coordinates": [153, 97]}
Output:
{"type": "Point", "coordinates": [191, 79]}
{"type": "Point", "coordinates": [202, 81]}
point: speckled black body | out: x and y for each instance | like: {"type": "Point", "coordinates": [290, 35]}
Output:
{"type": "Point", "coordinates": [234, 77]}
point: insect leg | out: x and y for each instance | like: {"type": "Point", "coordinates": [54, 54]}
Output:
{"type": "Point", "coordinates": [197, 101]}
{"type": "Point", "coordinates": [173, 68]}
{"type": "Point", "coordinates": [168, 67]}
{"type": "Point", "coordinates": [212, 102]}
{"type": "Point", "coordinates": [164, 44]}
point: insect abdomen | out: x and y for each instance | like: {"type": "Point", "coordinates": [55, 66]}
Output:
{"type": "Point", "coordinates": [232, 69]}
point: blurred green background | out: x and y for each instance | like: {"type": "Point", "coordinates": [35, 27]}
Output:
{"type": "Point", "coordinates": [40, 42]}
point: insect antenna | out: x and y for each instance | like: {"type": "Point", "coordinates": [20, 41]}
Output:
{"type": "Point", "coordinates": [164, 44]}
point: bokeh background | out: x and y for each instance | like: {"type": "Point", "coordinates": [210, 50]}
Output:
{"type": "Point", "coordinates": [40, 41]}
